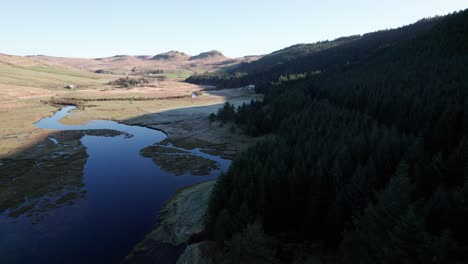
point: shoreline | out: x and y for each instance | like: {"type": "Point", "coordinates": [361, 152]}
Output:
{"type": "Point", "coordinates": [184, 127]}
{"type": "Point", "coordinates": [179, 220]}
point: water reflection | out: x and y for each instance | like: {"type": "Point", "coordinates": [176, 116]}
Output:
{"type": "Point", "coordinates": [111, 206]}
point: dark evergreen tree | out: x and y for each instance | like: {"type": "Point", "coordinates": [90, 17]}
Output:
{"type": "Point", "coordinates": [384, 113]}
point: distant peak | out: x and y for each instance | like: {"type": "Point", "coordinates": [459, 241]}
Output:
{"type": "Point", "coordinates": [171, 55]}
{"type": "Point", "coordinates": [208, 54]}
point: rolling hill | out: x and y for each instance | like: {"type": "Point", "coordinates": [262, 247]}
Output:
{"type": "Point", "coordinates": [32, 72]}
{"type": "Point", "coordinates": [366, 156]}
{"type": "Point", "coordinates": [172, 62]}
{"type": "Point", "coordinates": [321, 57]}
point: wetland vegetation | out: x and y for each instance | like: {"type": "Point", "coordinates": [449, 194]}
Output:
{"type": "Point", "coordinates": [179, 161]}
{"type": "Point", "coordinates": [74, 172]}
{"type": "Point", "coordinates": [351, 150]}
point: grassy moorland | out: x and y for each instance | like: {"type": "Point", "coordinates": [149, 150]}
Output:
{"type": "Point", "coordinates": [25, 85]}
{"type": "Point", "coordinates": [29, 87]}
{"type": "Point", "coordinates": [32, 88]}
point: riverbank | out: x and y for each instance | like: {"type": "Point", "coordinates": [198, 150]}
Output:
{"type": "Point", "coordinates": [183, 119]}
{"type": "Point", "coordinates": [22, 106]}
{"type": "Point", "coordinates": [100, 202]}
{"type": "Point", "coordinates": [185, 122]}
{"type": "Point", "coordinates": [59, 160]}
{"type": "Point", "coordinates": [180, 221]}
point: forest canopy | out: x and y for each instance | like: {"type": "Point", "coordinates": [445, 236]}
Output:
{"type": "Point", "coordinates": [367, 153]}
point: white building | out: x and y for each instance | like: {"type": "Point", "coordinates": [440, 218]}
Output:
{"type": "Point", "coordinates": [250, 87]}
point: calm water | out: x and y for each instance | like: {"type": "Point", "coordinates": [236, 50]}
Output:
{"type": "Point", "coordinates": [125, 192]}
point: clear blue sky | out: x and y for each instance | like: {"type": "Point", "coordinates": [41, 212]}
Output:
{"type": "Point", "coordinates": [92, 28]}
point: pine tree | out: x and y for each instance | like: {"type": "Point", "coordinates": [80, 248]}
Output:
{"type": "Point", "coordinates": [251, 246]}
{"type": "Point", "coordinates": [370, 240]}
{"type": "Point", "coordinates": [223, 227]}
{"type": "Point", "coordinates": [408, 237]}
{"type": "Point", "coordinates": [443, 249]}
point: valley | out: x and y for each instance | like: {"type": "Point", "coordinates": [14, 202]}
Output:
{"type": "Point", "coordinates": [47, 167]}
{"type": "Point", "coordinates": [344, 140]}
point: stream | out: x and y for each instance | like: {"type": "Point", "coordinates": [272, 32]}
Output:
{"type": "Point", "coordinates": [124, 193]}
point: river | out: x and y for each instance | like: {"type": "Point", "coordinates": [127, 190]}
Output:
{"type": "Point", "coordinates": [124, 193]}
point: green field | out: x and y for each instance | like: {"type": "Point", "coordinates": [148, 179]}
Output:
{"type": "Point", "coordinates": [46, 76]}
{"type": "Point", "coordinates": [180, 74]}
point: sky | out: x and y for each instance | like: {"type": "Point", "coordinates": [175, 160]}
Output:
{"type": "Point", "coordinates": [92, 28]}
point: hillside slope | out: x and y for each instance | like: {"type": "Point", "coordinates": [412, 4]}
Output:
{"type": "Point", "coordinates": [173, 63]}
{"type": "Point", "coordinates": [367, 162]}
{"type": "Point", "coordinates": [24, 71]}
{"type": "Point", "coordinates": [325, 56]}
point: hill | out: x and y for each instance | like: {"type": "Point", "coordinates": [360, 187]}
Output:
{"type": "Point", "coordinates": [366, 156]}
{"type": "Point", "coordinates": [173, 63]}
{"type": "Point", "coordinates": [324, 56]}
{"type": "Point", "coordinates": [32, 72]}
{"type": "Point", "coordinates": [213, 54]}
{"type": "Point", "coordinates": [171, 55]}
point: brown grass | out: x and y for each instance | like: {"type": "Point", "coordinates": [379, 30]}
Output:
{"type": "Point", "coordinates": [22, 102]}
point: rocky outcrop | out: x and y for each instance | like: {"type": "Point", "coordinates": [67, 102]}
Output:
{"type": "Point", "coordinates": [208, 54]}
{"type": "Point", "coordinates": [171, 55]}
{"type": "Point", "coordinates": [180, 219]}
{"type": "Point", "coordinates": [183, 215]}
{"type": "Point", "coordinates": [199, 253]}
